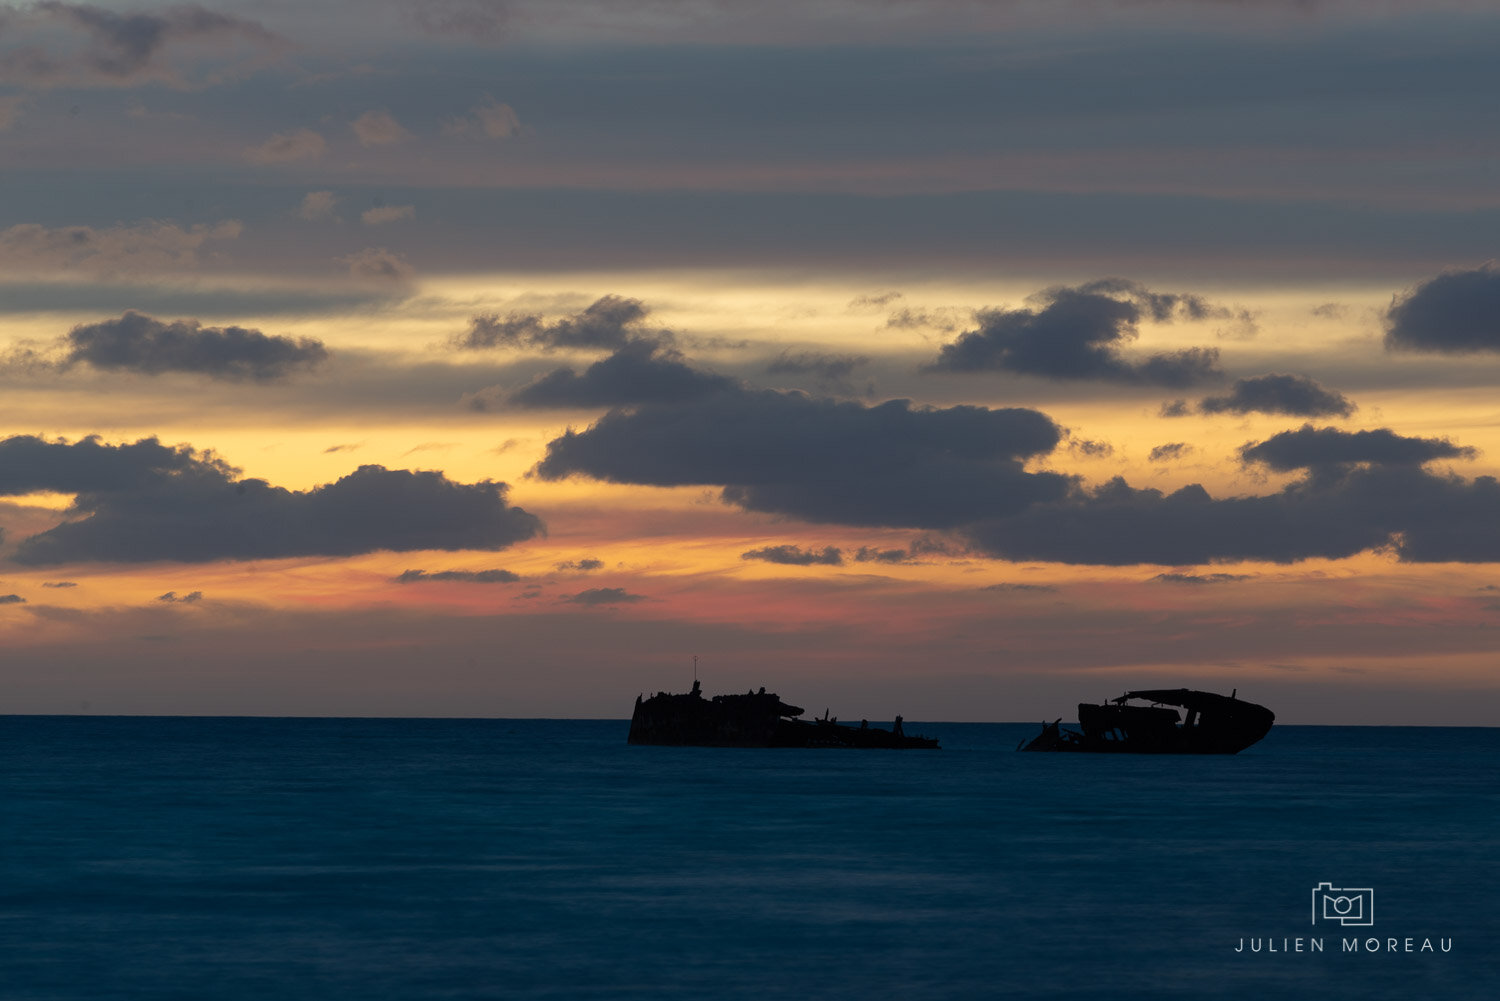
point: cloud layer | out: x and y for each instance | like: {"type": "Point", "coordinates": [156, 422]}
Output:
{"type": "Point", "coordinates": [144, 501]}
{"type": "Point", "coordinates": [892, 464]}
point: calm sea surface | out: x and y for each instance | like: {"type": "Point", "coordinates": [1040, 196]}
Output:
{"type": "Point", "coordinates": [412, 859]}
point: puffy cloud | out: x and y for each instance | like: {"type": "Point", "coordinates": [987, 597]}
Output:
{"type": "Point", "coordinates": [146, 247]}
{"type": "Point", "coordinates": [468, 576]}
{"type": "Point", "coordinates": [31, 465]}
{"type": "Point", "coordinates": [139, 343]}
{"type": "Point", "coordinates": [603, 596]}
{"type": "Point", "coordinates": [1294, 395]}
{"type": "Point", "coordinates": [378, 128]}
{"type": "Point", "coordinates": [12, 599]}
{"type": "Point", "coordinates": [492, 119]}
{"type": "Point", "coordinates": [1311, 448]}
{"type": "Point", "coordinates": [382, 214]}
{"type": "Point", "coordinates": [317, 206]}
{"type": "Point", "coordinates": [1076, 333]}
{"type": "Point", "coordinates": [288, 147]}
{"type": "Point", "coordinates": [584, 565]}
{"type": "Point", "coordinates": [379, 266]}
{"type": "Point", "coordinates": [79, 45]}
{"type": "Point", "coordinates": [172, 597]}
{"type": "Point", "coordinates": [639, 372]}
{"type": "Point", "coordinates": [608, 323]}
{"type": "Point", "coordinates": [144, 501]}
{"type": "Point", "coordinates": [796, 556]}
{"type": "Point", "coordinates": [824, 460]}
{"type": "Point", "coordinates": [1454, 312]}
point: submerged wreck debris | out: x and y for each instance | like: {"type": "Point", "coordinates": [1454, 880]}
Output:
{"type": "Point", "coordinates": [755, 719]}
{"type": "Point", "coordinates": [1215, 724]}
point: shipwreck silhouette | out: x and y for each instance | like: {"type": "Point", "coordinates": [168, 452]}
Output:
{"type": "Point", "coordinates": [755, 719]}
{"type": "Point", "coordinates": [1215, 724]}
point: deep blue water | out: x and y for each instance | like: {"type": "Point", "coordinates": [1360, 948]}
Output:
{"type": "Point", "coordinates": [411, 859]}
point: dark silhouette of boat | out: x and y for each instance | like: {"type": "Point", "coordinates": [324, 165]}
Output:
{"type": "Point", "coordinates": [755, 719]}
{"type": "Point", "coordinates": [1215, 724]}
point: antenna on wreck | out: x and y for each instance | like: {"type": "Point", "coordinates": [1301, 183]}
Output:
{"type": "Point", "coordinates": [695, 668]}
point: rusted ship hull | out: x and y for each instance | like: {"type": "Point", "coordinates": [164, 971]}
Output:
{"type": "Point", "coordinates": [1215, 724]}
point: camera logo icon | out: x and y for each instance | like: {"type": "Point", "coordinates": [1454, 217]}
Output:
{"type": "Point", "coordinates": [1346, 906]}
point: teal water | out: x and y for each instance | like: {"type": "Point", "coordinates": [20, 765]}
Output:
{"type": "Point", "coordinates": [411, 859]}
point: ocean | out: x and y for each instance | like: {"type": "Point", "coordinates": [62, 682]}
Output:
{"type": "Point", "coordinates": [413, 859]}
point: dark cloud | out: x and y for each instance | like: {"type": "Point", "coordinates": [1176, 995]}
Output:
{"type": "Point", "coordinates": [1033, 588]}
{"type": "Point", "coordinates": [1169, 452]}
{"type": "Point", "coordinates": [1344, 510]}
{"type": "Point", "coordinates": [1199, 579]}
{"type": "Point", "coordinates": [824, 460]}
{"type": "Point", "coordinates": [869, 554]}
{"type": "Point", "coordinates": [144, 501]}
{"type": "Point", "coordinates": [12, 599]}
{"type": "Point", "coordinates": [1311, 448]}
{"type": "Point", "coordinates": [830, 369]}
{"type": "Point", "coordinates": [608, 324]}
{"type": "Point", "coordinates": [139, 343]}
{"type": "Point", "coordinates": [1294, 395]}
{"type": "Point", "coordinates": [1454, 312]}
{"type": "Point", "coordinates": [1362, 491]}
{"type": "Point", "coordinates": [1076, 333]}
{"type": "Point", "coordinates": [173, 597]}
{"type": "Point", "coordinates": [603, 596]}
{"type": "Point", "coordinates": [469, 576]}
{"type": "Point", "coordinates": [31, 465]}
{"type": "Point", "coordinates": [638, 372]}
{"type": "Point", "coordinates": [585, 565]}
{"type": "Point", "coordinates": [797, 556]}
{"type": "Point", "coordinates": [59, 583]}
{"type": "Point", "coordinates": [115, 48]}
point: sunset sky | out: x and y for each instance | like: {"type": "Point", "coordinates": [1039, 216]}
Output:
{"type": "Point", "coordinates": [952, 358]}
